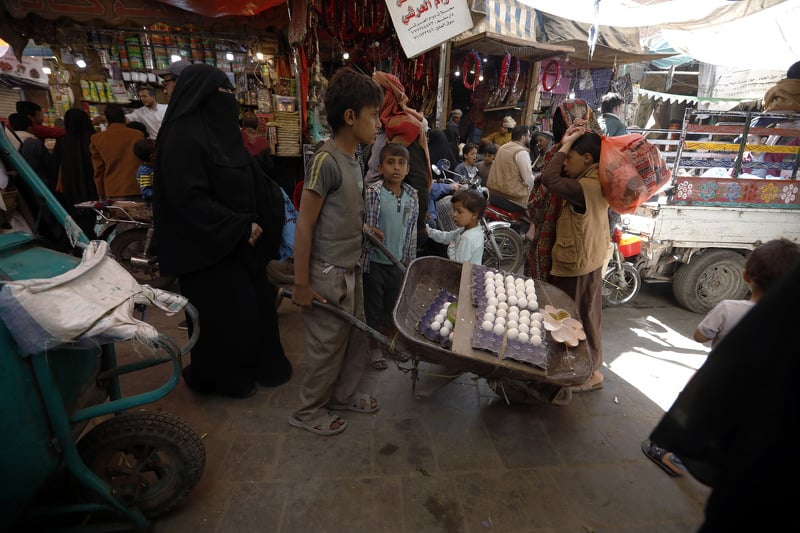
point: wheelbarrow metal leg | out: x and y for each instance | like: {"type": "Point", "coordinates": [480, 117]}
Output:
{"type": "Point", "coordinates": [59, 421]}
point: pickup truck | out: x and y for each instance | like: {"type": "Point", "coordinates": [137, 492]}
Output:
{"type": "Point", "coordinates": [718, 208]}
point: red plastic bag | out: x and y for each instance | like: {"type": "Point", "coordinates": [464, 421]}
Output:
{"type": "Point", "coordinates": [631, 171]}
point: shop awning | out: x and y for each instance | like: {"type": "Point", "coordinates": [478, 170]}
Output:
{"type": "Point", "coordinates": [507, 26]}
{"type": "Point", "coordinates": [488, 43]}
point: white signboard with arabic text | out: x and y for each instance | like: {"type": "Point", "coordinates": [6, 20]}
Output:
{"type": "Point", "coordinates": [424, 24]}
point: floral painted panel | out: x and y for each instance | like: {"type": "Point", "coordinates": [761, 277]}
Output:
{"type": "Point", "coordinates": [740, 192]}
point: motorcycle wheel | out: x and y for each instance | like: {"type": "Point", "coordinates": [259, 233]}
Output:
{"type": "Point", "coordinates": [130, 243]}
{"type": "Point", "coordinates": [511, 251]}
{"type": "Point", "coordinates": [620, 288]}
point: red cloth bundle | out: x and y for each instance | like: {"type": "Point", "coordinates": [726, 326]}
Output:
{"type": "Point", "coordinates": [631, 171]}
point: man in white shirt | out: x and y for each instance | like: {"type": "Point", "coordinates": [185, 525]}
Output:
{"type": "Point", "coordinates": [151, 113]}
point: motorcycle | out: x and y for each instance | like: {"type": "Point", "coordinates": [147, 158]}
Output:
{"type": "Point", "coordinates": [503, 246]}
{"type": "Point", "coordinates": [128, 228]}
{"type": "Point", "coordinates": [621, 280]}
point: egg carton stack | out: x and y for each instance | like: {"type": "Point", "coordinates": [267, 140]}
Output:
{"type": "Point", "coordinates": [508, 321]}
{"type": "Point", "coordinates": [435, 324]}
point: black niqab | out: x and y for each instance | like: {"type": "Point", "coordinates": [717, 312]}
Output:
{"type": "Point", "coordinates": [205, 196]}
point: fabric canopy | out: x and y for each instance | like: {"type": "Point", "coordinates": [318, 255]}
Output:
{"type": "Point", "coordinates": [712, 104]}
{"type": "Point", "coordinates": [224, 8]}
{"type": "Point", "coordinates": [755, 34]}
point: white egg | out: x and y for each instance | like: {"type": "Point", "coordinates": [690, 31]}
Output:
{"type": "Point", "coordinates": [452, 334]}
{"type": "Point", "coordinates": [536, 340]}
{"type": "Point", "coordinates": [439, 318]}
{"type": "Point", "coordinates": [498, 277]}
{"type": "Point", "coordinates": [536, 316]}
{"type": "Point", "coordinates": [529, 282]}
{"type": "Point", "coordinates": [436, 325]}
{"type": "Point", "coordinates": [536, 323]}
{"type": "Point", "coordinates": [519, 281]}
{"type": "Point", "coordinates": [525, 320]}
{"type": "Point", "coordinates": [488, 316]}
{"type": "Point", "coordinates": [501, 297]}
{"type": "Point", "coordinates": [523, 327]}
{"type": "Point", "coordinates": [447, 324]}
{"type": "Point", "coordinates": [522, 337]}
{"type": "Point", "coordinates": [487, 326]}
{"type": "Point", "coordinates": [535, 331]}
{"type": "Point", "coordinates": [502, 305]}
{"type": "Point", "coordinates": [502, 313]}
{"type": "Point", "coordinates": [444, 332]}
{"type": "Point", "coordinates": [492, 301]}
{"type": "Point", "coordinates": [510, 278]}
{"type": "Point", "coordinates": [511, 287]}
{"type": "Point", "coordinates": [500, 320]}
{"type": "Point", "coordinates": [525, 312]}
{"type": "Point", "coordinates": [512, 300]}
{"type": "Point", "coordinates": [512, 333]}
{"type": "Point", "coordinates": [513, 315]}
{"type": "Point", "coordinates": [490, 294]}
{"type": "Point", "coordinates": [512, 292]}
{"type": "Point", "coordinates": [533, 305]}
{"type": "Point", "coordinates": [513, 309]}
{"type": "Point", "coordinates": [488, 275]}
{"type": "Point", "coordinates": [522, 302]}
{"type": "Point", "coordinates": [500, 290]}
{"type": "Point", "coordinates": [499, 329]}
{"type": "Point", "coordinates": [491, 309]}
{"type": "Point", "coordinates": [511, 324]}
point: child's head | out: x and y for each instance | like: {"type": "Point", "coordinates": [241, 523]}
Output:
{"type": "Point", "coordinates": [583, 153]}
{"type": "Point", "coordinates": [394, 162]}
{"type": "Point", "coordinates": [145, 150]}
{"type": "Point", "coordinates": [352, 100]}
{"type": "Point", "coordinates": [756, 139]}
{"type": "Point", "coordinates": [489, 153]}
{"type": "Point", "coordinates": [768, 263]}
{"type": "Point", "coordinates": [468, 207]}
{"type": "Point", "coordinates": [470, 153]}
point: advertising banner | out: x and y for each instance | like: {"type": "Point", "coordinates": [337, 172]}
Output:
{"type": "Point", "coordinates": [425, 24]}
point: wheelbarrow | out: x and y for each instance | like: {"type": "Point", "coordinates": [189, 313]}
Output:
{"type": "Point", "coordinates": [513, 380]}
{"type": "Point", "coordinates": [132, 466]}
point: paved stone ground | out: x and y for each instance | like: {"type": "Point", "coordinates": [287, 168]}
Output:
{"type": "Point", "coordinates": [461, 460]}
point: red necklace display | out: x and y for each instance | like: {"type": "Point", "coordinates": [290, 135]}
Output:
{"type": "Point", "coordinates": [472, 61]}
{"type": "Point", "coordinates": [551, 71]}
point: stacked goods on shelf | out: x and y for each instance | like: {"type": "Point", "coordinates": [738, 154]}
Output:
{"type": "Point", "coordinates": [288, 124]}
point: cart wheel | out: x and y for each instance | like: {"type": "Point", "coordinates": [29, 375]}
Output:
{"type": "Point", "coordinates": [150, 460]}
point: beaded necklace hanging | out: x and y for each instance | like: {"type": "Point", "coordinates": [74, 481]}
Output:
{"type": "Point", "coordinates": [472, 61]}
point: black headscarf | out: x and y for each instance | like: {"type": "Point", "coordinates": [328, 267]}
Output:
{"type": "Point", "coordinates": [439, 148]}
{"type": "Point", "coordinates": [72, 150]}
{"type": "Point", "coordinates": [205, 195]}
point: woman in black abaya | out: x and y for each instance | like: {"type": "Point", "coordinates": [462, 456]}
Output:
{"type": "Point", "coordinates": [75, 172]}
{"type": "Point", "coordinates": [215, 232]}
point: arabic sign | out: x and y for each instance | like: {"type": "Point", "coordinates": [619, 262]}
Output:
{"type": "Point", "coordinates": [424, 24]}
{"type": "Point", "coordinates": [29, 69]}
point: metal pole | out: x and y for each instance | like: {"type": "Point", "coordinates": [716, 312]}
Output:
{"type": "Point", "coordinates": [444, 61]}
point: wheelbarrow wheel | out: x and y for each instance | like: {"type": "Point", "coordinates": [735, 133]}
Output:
{"type": "Point", "coordinates": [150, 460]}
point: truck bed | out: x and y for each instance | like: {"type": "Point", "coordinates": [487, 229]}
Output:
{"type": "Point", "coordinates": [714, 227]}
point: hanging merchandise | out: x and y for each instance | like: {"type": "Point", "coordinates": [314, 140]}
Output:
{"type": "Point", "coordinates": [551, 74]}
{"type": "Point", "coordinates": [474, 66]}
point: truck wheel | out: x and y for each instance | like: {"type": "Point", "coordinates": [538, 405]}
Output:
{"type": "Point", "coordinates": [150, 460]}
{"type": "Point", "coordinates": [708, 279]}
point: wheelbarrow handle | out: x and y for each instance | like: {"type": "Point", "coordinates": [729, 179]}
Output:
{"type": "Point", "coordinates": [347, 317]}
{"type": "Point", "coordinates": [371, 237]}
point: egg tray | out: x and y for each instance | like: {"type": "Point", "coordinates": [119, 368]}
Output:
{"type": "Point", "coordinates": [424, 324]}
{"type": "Point", "coordinates": [491, 341]}
{"type": "Point", "coordinates": [479, 299]}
